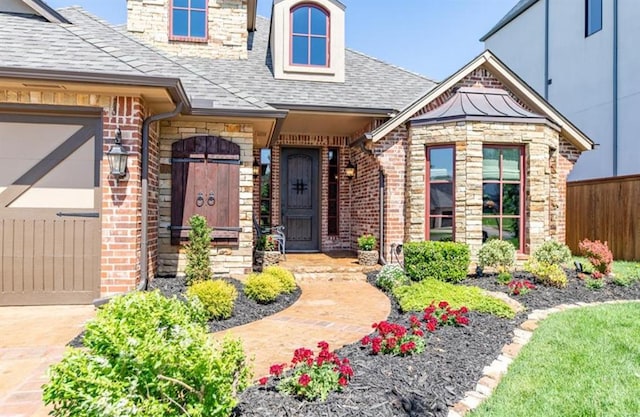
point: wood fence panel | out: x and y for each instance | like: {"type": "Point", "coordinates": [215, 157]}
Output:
{"type": "Point", "coordinates": [606, 209]}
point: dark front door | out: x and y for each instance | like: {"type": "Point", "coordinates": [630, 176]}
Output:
{"type": "Point", "coordinates": [299, 188]}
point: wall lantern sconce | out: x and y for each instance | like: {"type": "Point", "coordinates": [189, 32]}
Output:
{"type": "Point", "coordinates": [117, 157]}
{"type": "Point", "coordinates": [256, 168]}
{"type": "Point", "coordinates": [350, 171]}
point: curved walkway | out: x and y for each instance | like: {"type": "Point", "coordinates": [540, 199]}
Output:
{"type": "Point", "coordinates": [338, 312]}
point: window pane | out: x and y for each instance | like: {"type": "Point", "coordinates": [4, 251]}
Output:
{"type": "Point", "coordinates": [511, 231]}
{"type": "Point", "coordinates": [511, 164]}
{"type": "Point", "coordinates": [594, 16]}
{"type": "Point", "coordinates": [318, 22]}
{"type": "Point", "coordinates": [440, 229]}
{"type": "Point", "coordinates": [198, 24]}
{"type": "Point", "coordinates": [199, 4]}
{"type": "Point", "coordinates": [441, 163]}
{"type": "Point", "coordinates": [301, 20]}
{"type": "Point", "coordinates": [490, 164]}
{"type": "Point", "coordinates": [511, 199]}
{"type": "Point", "coordinates": [180, 23]}
{"type": "Point", "coordinates": [180, 3]}
{"type": "Point", "coordinates": [491, 199]}
{"type": "Point", "coordinates": [441, 198]}
{"type": "Point", "coordinates": [318, 51]}
{"type": "Point", "coordinates": [490, 229]}
{"type": "Point", "coordinates": [300, 52]}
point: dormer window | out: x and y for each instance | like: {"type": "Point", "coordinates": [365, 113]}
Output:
{"type": "Point", "coordinates": [309, 36]}
{"type": "Point", "coordinates": [189, 20]}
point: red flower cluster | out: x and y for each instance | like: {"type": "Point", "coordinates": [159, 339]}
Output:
{"type": "Point", "coordinates": [520, 287]}
{"type": "Point", "coordinates": [396, 339]}
{"type": "Point", "coordinates": [444, 315]}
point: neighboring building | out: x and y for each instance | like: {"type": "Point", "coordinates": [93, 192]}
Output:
{"type": "Point", "coordinates": [234, 117]}
{"type": "Point", "coordinates": [581, 55]}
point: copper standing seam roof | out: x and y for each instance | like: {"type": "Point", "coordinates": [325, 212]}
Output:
{"type": "Point", "coordinates": [480, 104]}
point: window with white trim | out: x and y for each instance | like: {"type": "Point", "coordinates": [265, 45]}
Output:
{"type": "Point", "coordinates": [309, 36]}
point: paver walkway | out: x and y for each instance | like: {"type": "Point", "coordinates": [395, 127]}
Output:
{"type": "Point", "coordinates": [339, 312]}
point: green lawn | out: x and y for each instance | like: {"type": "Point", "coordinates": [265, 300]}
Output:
{"type": "Point", "coordinates": [579, 363]}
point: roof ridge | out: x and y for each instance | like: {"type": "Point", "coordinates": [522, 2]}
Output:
{"type": "Point", "coordinates": [255, 103]}
{"type": "Point", "coordinates": [392, 65]}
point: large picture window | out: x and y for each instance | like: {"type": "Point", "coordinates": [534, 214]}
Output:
{"type": "Point", "coordinates": [502, 194]}
{"type": "Point", "coordinates": [189, 19]}
{"type": "Point", "coordinates": [309, 36]}
{"type": "Point", "coordinates": [440, 193]}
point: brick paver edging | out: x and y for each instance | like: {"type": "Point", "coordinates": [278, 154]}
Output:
{"type": "Point", "coordinates": [492, 374]}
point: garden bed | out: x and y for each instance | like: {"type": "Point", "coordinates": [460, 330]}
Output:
{"type": "Point", "coordinates": [425, 384]}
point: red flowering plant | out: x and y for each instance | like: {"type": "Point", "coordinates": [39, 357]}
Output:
{"type": "Point", "coordinates": [520, 287]}
{"type": "Point", "coordinates": [395, 339]}
{"type": "Point", "coordinates": [441, 314]}
{"type": "Point", "coordinates": [599, 255]}
{"type": "Point", "coordinates": [313, 376]}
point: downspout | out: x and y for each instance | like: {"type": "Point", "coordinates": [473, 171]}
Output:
{"type": "Point", "coordinates": [381, 218]}
{"type": "Point", "coordinates": [546, 49]}
{"type": "Point", "coordinates": [615, 88]}
{"type": "Point", "coordinates": [144, 245]}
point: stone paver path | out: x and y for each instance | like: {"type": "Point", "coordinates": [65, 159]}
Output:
{"type": "Point", "coordinates": [339, 312]}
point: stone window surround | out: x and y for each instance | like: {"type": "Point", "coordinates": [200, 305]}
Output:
{"type": "Point", "coordinates": [197, 39]}
{"type": "Point", "coordinates": [309, 35]}
{"type": "Point", "coordinates": [427, 225]}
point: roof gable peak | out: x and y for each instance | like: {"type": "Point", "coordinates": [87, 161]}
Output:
{"type": "Point", "coordinates": [33, 7]}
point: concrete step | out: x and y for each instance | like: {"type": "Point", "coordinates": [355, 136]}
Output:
{"type": "Point", "coordinates": [329, 276]}
{"type": "Point", "coordinates": [329, 268]}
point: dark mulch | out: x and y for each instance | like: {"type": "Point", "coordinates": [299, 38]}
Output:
{"type": "Point", "coordinates": [245, 310]}
{"type": "Point", "coordinates": [426, 384]}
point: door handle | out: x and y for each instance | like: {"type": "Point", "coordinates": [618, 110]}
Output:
{"type": "Point", "coordinates": [212, 199]}
{"type": "Point", "coordinates": [200, 200]}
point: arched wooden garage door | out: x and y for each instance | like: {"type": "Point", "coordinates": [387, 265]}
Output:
{"type": "Point", "coordinates": [49, 209]}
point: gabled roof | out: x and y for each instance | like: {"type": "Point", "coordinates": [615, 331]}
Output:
{"type": "Point", "coordinates": [516, 85]}
{"type": "Point", "coordinates": [38, 8]}
{"type": "Point", "coordinates": [517, 10]}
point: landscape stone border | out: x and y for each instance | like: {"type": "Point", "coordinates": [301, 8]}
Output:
{"type": "Point", "coordinates": [492, 374]}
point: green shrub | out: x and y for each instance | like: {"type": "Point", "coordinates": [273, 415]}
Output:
{"type": "Point", "coordinates": [498, 254]}
{"type": "Point", "coordinates": [418, 296]}
{"type": "Point", "coordinates": [552, 252]}
{"type": "Point", "coordinates": [367, 242]}
{"type": "Point", "coordinates": [148, 356]}
{"type": "Point", "coordinates": [262, 288]}
{"type": "Point", "coordinates": [594, 284]}
{"type": "Point", "coordinates": [547, 274]}
{"type": "Point", "coordinates": [391, 276]}
{"type": "Point", "coordinates": [445, 261]}
{"type": "Point", "coordinates": [504, 278]}
{"type": "Point", "coordinates": [286, 278]}
{"type": "Point", "coordinates": [197, 250]}
{"type": "Point", "coordinates": [216, 296]}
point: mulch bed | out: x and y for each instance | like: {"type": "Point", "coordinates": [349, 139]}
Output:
{"type": "Point", "coordinates": [426, 384]}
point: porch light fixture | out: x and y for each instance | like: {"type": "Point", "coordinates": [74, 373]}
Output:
{"type": "Point", "coordinates": [350, 171]}
{"type": "Point", "coordinates": [117, 157]}
{"type": "Point", "coordinates": [256, 168]}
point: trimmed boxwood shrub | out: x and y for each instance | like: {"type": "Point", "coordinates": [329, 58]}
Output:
{"type": "Point", "coordinates": [216, 296]}
{"type": "Point", "coordinates": [552, 252]}
{"type": "Point", "coordinates": [263, 288]}
{"type": "Point", "coordinates": [147, 355]}
{"type": "Point", "coordinates": [445, 261]}
{"type": "Point", "coordinates": [498, 254]}
{"type": "Point", "coordinates": [391, 276]}
{"type": "Point", "coordinates": [286, 278]}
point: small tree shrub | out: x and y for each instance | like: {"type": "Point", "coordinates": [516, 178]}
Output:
{"type": "Point", "coordinates": [552, 252]}
{"type": "Point", "coordinates": [598, 254]}
{"type": "Point", "coordinates": [418, 296]}
{"type": "Point", "coordinates": [197, 250]}
{"type": "Point", "coordinates": [547, 274]}
{"type": "Point", "coordinates": [367, 242]}
{"type": "Point", "coordinates": [262, 288]}
{"type": "Point", "coordinates": [216, 296]}
{"type": "Point", "coordinates": [391, 276]}
{"type": "Point", "coordinates": [286, 278]}
{"type": "Point", "coordinates": [498, 254]}
{"type": "Point", "coordinates": [146, 355]}
{"type": "Point", "coordinates": [445, 261]}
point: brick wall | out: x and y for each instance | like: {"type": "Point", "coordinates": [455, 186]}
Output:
{"type": "Point", "coordinates": [227, 28]}
{"type": "Point", "coordinates": [233, 260]}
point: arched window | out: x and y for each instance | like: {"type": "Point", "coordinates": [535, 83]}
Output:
{"type": "Point", "coordinates": [309, 36]}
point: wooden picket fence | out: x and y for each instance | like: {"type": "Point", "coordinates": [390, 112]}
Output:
{"type": "Point", "coordinates": [607, 209]}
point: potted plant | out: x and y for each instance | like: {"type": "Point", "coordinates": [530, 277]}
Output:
{"type": "Point", "coordinates": [267, 252]}
{"type": "Point", "coordinates": [367, 255]}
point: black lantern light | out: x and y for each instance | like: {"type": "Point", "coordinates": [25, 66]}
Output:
{"type": "Point", "coordinates": [117, 157]}
{"type": "Point", "coordinates": [256, 168]}
{"type": "Point", "coordinates": [350, 171]}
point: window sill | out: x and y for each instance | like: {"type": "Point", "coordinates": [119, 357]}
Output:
{"type": "Point", "coordinates": [309, 69]}
{"type": "Point", "coordinates": [187, 39]}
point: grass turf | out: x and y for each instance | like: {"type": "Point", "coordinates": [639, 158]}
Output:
{"type": "Point", "coordinates": [579, 363]}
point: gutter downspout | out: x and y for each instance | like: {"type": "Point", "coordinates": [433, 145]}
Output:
{"type": "Point", "coordinates": [382, 187]}
{"type": "Point", "coordinates": [546, 49]}
{"type": "Point", "coordinates": [144, 244]}
{"type": "Point", "coordinates": [615, 88]}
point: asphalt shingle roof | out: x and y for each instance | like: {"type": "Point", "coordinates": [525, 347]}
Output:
{"type": "Point", "coordinates": [90, 44]}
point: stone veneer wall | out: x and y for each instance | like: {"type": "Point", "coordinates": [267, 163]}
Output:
{"type": "Point", "coordinates": [232, 260]}
{"type": "Point", "coordinates": [227, 28]}
{"type": "Point", "coordinates": [344, 239]}
{"type": "Point", "coordinates": [121, 203]}
{"type": "Point", "coordinates": [544, 185]}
